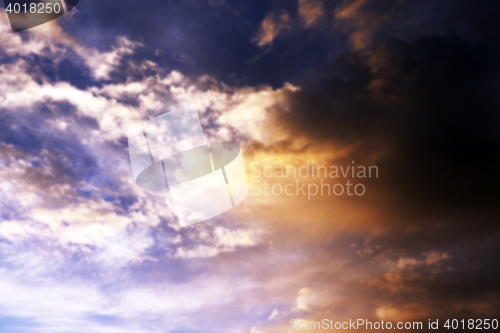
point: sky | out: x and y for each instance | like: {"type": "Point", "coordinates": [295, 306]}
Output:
{"type": "Point", "coordinates": [410, 87]}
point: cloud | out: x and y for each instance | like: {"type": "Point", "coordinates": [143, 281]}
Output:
{"type": "Point", "coordinates": [67, 191]}
{"type": "Point", "coordinates": [304, 298]}
{"type": "Point", "coordinates": [51, 40]}
{"type": "Point", "coordinates": [310, 11]}
{"type": "Point", "coordinates": [97, 118]}
{"type": "Point", "coordinates": [223, 240]}
{"type": "Point", "coordinates": [103, 63]}
{"type": "Point", "coordinates": [271, 27]}
{"type": "Point", "coordinates": [273, 315]}
{"type": "Point", "coordinates": [361, 20]}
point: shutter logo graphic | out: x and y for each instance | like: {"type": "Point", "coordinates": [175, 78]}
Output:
{"type": "Point", "coordinates": [27, 14]}
{"type": "Point", "coordinates": [205, 180]}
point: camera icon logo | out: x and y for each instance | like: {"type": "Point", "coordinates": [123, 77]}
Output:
{"type": "Point", "coordinates": [205, 179]}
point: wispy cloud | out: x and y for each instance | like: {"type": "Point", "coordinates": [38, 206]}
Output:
{"type": "Point", "coordinates": [310, 11]}
{"type": "Point", "coordinates": [271, 27]}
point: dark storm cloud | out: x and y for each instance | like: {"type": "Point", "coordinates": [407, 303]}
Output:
{"type": "Point", "coordinates": [422, 104]}
{"type": "Point", "coordinates": [453, 275]}
{"type": "Point", "coordinates": [199, 37]}
{"type": "Point", "coordinates": [195, 37]}
{"type": "Point", "coordinates": [428, 105]}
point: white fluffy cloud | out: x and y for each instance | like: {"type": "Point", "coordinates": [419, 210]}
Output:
{"type": "Point", "coordinates": [56, 224]}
